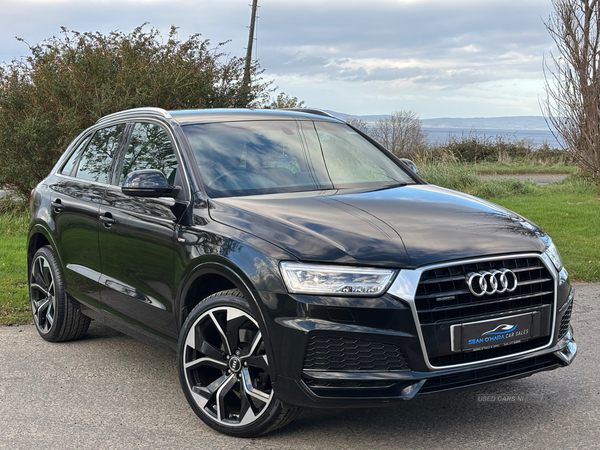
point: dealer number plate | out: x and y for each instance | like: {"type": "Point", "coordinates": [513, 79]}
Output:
{"type": "Point", "coordinates": [491, 333]}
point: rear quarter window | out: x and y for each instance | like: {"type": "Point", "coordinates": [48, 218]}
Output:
{"type": "Point", "coordinates": [96, 160]}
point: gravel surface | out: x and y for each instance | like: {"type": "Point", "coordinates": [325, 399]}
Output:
{"type": "Point", "coordinates": [111, 391]}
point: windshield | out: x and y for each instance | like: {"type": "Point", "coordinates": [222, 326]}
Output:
{"type": "Point", "coordinates": [260, 157]}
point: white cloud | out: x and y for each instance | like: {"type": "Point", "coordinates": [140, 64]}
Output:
{"type": "Point", "coordinates": [452, 58]}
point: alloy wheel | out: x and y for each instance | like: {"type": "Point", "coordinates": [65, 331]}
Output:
{"type": "Point", "coordinates": [42, 294]}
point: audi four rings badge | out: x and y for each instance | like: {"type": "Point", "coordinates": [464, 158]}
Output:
{"type": "Point", "coordinates": [495, 281]}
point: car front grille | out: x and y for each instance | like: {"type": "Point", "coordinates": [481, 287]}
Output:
{"type": "Point", "coordinates": [443, 297]}
{"type": "Point", "coordinates": [339, 353]}
{"type": "Point", "coordinates": [443, 293]}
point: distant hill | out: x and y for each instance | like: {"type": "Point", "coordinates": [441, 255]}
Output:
{"type": "Point", "coordinates": [489, 123]}
{"type": "Point", "coordinates": [508, 123]}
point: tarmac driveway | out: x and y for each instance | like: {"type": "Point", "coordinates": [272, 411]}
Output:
{"type": "Point", "coordinates": [110, 391]}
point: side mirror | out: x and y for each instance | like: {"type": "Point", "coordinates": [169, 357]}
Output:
{"type": "Point", "coordinates": [148, 183]}
{"type": "Point", "coordinates": [411, 165]}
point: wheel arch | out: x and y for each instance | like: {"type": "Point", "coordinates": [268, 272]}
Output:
{"type": "Point", "coordinates": [38, 238]}
{"type": "Point", "coordinates": [211, 277]}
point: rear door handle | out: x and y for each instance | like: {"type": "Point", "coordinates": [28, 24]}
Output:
{"type": "Point", "coordinates": [107, 219]}
{"type": "Point", "coordinates": [57, 205]}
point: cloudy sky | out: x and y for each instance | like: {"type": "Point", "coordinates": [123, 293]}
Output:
{"type": "Point", "coordinates": [439, 58]}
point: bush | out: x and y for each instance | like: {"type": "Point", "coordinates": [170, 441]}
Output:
{"type": "Point", "coordinates": [462, 179]}
{"type": "Point", "coordinates": [69, 82]}
{"type": "Point", "coordinates": [465, 179]}
{"type": "Point", "coordinates": [474, 148]}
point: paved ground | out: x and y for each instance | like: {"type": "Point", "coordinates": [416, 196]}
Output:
{"type": "Point", "coordinates": [535, 178]}
{"type": "Point", "coordinates": [110, 391]}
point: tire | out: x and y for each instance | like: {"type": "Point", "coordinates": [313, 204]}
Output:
{"type": "Point", "coordinates": [224, 371]}
{"type": "Point", "coordinates": [55, 317]}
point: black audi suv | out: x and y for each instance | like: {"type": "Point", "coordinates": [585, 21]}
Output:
{"type": "Point", "coordinates": [290, 261]}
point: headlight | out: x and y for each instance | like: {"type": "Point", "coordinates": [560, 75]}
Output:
{"type": "Point", "coordinates": [552, 253]}
{"type": "Point", "coordinates": [320, 279]}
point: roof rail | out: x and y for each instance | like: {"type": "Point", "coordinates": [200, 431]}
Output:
{"type": "Point", "coordinates": [317, 112]}
{"type": "Point", "coordinates": [125, 113]}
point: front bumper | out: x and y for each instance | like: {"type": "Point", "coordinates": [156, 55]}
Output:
{"type": "Point", "coordinates": [362, 389]}
{"type": "Point", "coordinates": [341, 352]}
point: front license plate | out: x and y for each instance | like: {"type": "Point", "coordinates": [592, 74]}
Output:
{"type": "Point", "coordinates": [491, 333]}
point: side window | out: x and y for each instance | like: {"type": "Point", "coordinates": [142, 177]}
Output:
{"type": "Point", "coordinates": [352, 159]}
{"type": "Point", "coordinates": [96, 160]}
{"type": "Point", "coordinates": [149, 148]}
{"type": "Point", "coordinates": [67, 168]}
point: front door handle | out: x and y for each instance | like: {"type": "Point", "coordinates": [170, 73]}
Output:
{"type": "Point", "coordinates": [107, 219]}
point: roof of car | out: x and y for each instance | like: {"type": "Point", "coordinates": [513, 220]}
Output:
{"type": "Point", "coordinates": [227, 115]}
{"type": "Point", "coordinates": [185, 117]}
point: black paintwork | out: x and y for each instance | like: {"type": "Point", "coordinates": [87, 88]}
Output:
{"type": "Point", "coordinates": [408, 226]}
{"type": "Point", "coordinates": [141, 263]}
{"type": "Point", "coordinates": [148, 183]}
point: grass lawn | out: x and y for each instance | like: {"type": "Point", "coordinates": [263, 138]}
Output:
{"type": "Point", "coordinates": [14, 303]}
{"type": "Point", "coordinates": [573, 222]}
{"type": "Point", "coordinates": [569, 211]}
{"type": "Point", "coordinates": [520, 168]}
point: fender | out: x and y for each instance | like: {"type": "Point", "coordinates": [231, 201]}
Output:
{"type": "Point", "coordinates": [39, 228]}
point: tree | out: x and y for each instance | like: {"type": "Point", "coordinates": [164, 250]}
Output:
{"type": "Point", "coordinates": [360, 124]}
{"type": "Point", "coordinates": [69, 82]}
{"type": "Point", "coordinates": [283, 101]}
{"type": "Point", "coordinates": [400, 133]}
{"type": "Point", "coordinates": [572, 102]}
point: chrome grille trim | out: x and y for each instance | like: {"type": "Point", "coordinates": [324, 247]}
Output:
{"type": "Point", "coordinates": [505, 299]}
{"type": "Point", "coordinates": [405, 287]}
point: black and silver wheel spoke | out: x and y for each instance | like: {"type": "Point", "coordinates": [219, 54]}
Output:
{"type": "Point", "coordinates": [223, 391]}
{"type": "Point", "coordinates": [210, 362]}
{"type": "Point", "coordinates": [248, 411]}
{"type": "Point", "coordinates": [211, 351]}
{"type": "Point", "coordinates": [40, 288]}
{"type": "Point", "coordinates": [249, 389]}
{"type": "Point", "coordinates": [255, 344]}
{"type": "Point", "coordinates": [42, 294]}
{"type": "Point", "coordinates": [206, 395]}
{"type": "Point", "coordinates": [43, 310]}
{"type": "Point", "coordinates": [221, 332]}
{"type": "Point", "coordinates": [260, 362]}
{"type": "Point", "coordinates": [210, 355]}
{"type": "Point", "coordinates": [234, 323]}
{"type": "Point", "coordinates": [225, 366]}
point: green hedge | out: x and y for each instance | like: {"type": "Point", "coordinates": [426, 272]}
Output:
{"type": "Point", "coordinates": [69, 82]}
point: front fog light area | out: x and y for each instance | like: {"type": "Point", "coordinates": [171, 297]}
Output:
{"type": "Point", "coordinates": [301, 278]}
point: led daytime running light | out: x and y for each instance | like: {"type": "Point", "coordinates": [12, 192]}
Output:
{"type": "Point", "coordinates": [318, 279]}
